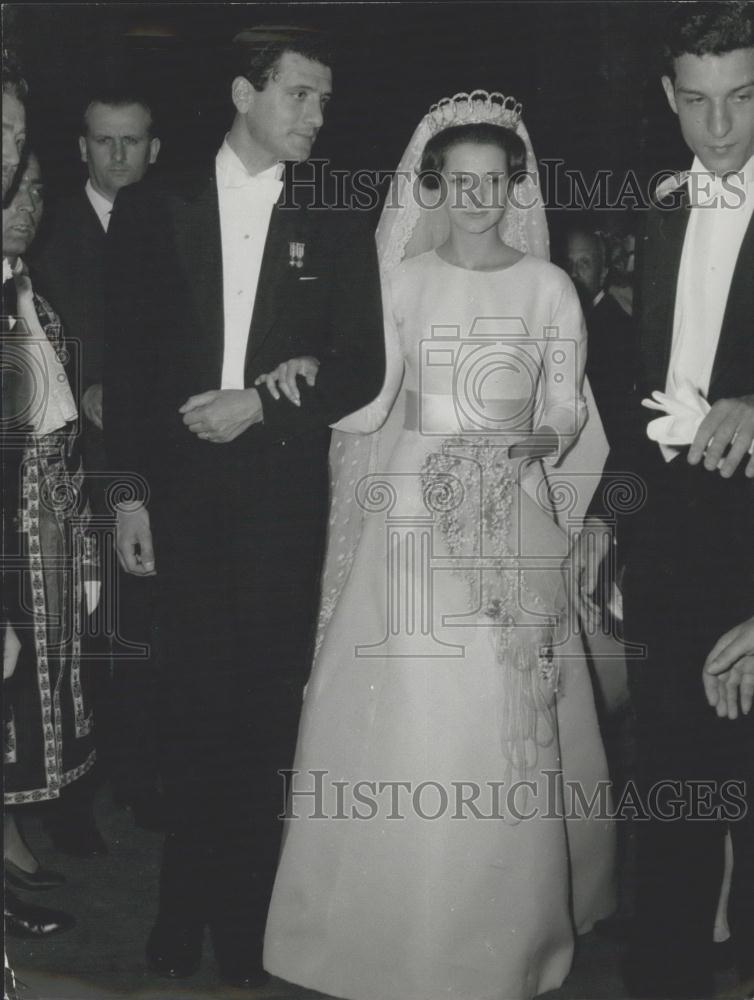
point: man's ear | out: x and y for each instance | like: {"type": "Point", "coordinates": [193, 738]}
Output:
{"type": "Point", "coordinates": [242, 94]}
{"type": "Point", "coordinates": [154, 149]}
{"type": "Point", "coordinates": [82, 149]}
{"type": "Point", "coordinates": [669, 88]}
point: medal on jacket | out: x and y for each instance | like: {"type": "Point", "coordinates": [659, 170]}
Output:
{"type": "Point", "coordinates": [296, 254]}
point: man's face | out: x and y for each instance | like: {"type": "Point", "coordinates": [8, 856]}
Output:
{"type": "Point", "coordinates": [22, 217]}
{"type": "Point", "coordinates": [585, 263]}
{"type": "Point", "coordinates": [713, 97]}
{"type": "Point", "coordinates": [14, 137]}
{"type": "Point", "coordinates": [117, 148]}
{"type": "Point", "coordinates": [282, 121]}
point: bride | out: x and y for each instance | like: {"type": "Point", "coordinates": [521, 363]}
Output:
{"type": "Point", "coordinates": [431, 847]}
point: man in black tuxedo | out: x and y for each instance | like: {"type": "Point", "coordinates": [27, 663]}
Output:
{"type": "Point", "coordinates": [118, 143]}
{"type": "Point", "coordinates": [216, 280]}
{"type": "Point", "coordinates": [611, 353]}
{"type": "Point", "coordinates": [687, 544]}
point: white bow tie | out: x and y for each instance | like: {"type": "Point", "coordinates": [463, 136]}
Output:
{"type": "Point", "coordinates": [267, 187]}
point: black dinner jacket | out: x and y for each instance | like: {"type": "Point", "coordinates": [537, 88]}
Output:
{"type": "Point", "coordinates": [733, 368]}
{"type": "Point", "coordinates": [164, 330]}
{"type": "Point", "coordinates": [611, 363]}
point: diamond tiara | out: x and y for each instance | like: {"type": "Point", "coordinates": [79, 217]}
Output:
{"type": "Point", "coordinates": [478, 106]}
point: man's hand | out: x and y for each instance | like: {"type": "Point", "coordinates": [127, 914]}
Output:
{"type": "Point", "coordinates": [134, 540]}
{"type": "Point", "coordinates": [222, 414]}
{"type": "Point", "coordinates": [590, 547]}
{"type": "Point", "coordinates": [91, 402]}
{"type": "Point", "coordinates": [729, 671]}
{"type": "Point", "coordinates": [729, 422]}
{"type": "Point", "coordinates": [11, 649]}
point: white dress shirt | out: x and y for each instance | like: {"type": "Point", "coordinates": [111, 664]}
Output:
{"type": "Point", "coordinates": [100, 204]}
{"type": "Point", "coordinates": [246, 201]}
{"type": "Point", "coordinates": [716, 227]}
{"type": "Point", "coordinates": [718, 218]}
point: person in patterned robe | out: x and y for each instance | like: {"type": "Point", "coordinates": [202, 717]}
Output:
{"type": "Point", "coordinates": [47, 712]}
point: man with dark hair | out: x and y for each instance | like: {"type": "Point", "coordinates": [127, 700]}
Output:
{"type": "Point", "coordinates": [688, 546]}
{"type": "Point", "coordinates": [259, 50]}
{"type": "Point", "coordinates": [215, 280]}
{"type": "Point", "coordinates": [705, 29]}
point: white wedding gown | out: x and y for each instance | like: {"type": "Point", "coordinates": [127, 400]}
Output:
{"type": "Point", "coordinates": [412, 683]}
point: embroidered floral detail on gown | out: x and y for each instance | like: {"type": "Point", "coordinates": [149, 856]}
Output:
{"type": "Point", "coordinates": [446, 672]}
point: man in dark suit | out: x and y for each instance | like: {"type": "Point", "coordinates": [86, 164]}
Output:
{"type": "Point", "coordinates": [686, 538]}
{"type": "Point", "coordinates": [118, 144]}
{"type": "Point", "coordinates": [611, 353]}
{"type": "Point", "coordinates": [214, 281]}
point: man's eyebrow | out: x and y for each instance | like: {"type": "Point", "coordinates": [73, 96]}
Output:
{"type": "Point", "coordinates": [309, 87]}
{"type": "Point", "coordinates": [700, 93]}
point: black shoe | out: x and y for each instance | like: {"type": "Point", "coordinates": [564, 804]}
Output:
{"type": "Point", "coordinates": [173, 951]}
{"type": "Point", "coordinates": [666, 983]}
{"type": "Point", "coordinates": [238, 952]}
{"type": "Point", "coordinates": [723, 955]}
{"type": "Point", "coordinates": [614, 928]}
{"type": "Point", "coordinates": [25, 920]}
{"type": "Point", "coordinates": [244, 978]}
{"type": "Point", "coordinates": [78, 837]}
{"type": "Point", "coordinates": [42, 878]}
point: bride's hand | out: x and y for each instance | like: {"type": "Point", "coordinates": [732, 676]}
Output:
{"type": "Point", "coordinates": [590, 547]}
{"type": "Point", "coordinates": [283, 378]}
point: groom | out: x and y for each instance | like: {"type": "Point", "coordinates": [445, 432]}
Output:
{"type": "Point", "coordinates": [688, 549]}
{"type": "Point", "coordinates": [211, 282]}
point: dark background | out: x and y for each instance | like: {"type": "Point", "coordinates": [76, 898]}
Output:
{"type": "Point", "coordinates": [587, 74]}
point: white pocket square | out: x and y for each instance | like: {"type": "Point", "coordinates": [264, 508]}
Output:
{"type": "Point", "coordinates": [309, 277]}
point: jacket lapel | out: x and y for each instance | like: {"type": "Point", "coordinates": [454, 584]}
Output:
{"type": "Point", "coordinates": [287, 226]}
{"type": "Point", "coordinates": [660, 288]}
{"type": "Point", "coordinates": [91, 228]}
{"type": "Point", "coordinates": [197, 234]}
{"type": "Point", "coordinates": [737, 332]}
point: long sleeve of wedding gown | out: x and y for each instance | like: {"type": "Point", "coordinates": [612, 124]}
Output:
{"type": "Point", "coordinates": [563, 360]}
{"type": "Point", "coordinates": [372, 416]}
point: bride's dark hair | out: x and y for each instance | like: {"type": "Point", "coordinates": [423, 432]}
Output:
{"type": "Point", "coordinates": [480, 134]}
